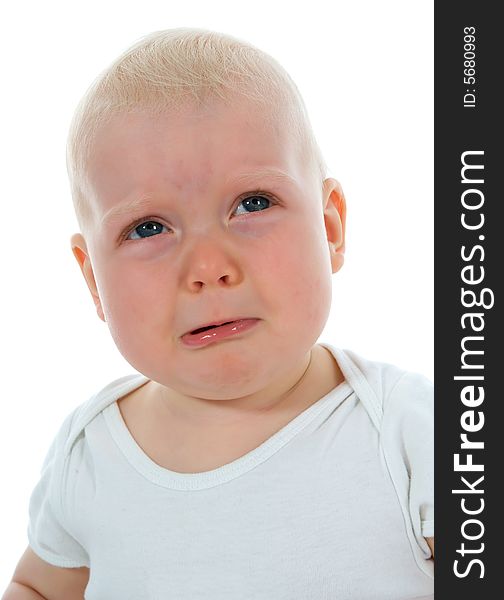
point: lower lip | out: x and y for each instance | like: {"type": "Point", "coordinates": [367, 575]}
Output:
{"type": "Point", "coordinates": [219, 333]}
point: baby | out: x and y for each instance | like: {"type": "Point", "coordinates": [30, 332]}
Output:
{"type": "Point", "coordinates": [243, 459]}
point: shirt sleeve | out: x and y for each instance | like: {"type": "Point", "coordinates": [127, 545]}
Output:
{"type": "Point", "coordinates": [48, 535]}
{"type": "Point", "coordinates": [408, 442]}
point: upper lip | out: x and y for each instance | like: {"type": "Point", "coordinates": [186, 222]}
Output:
{"type": "Point", "coordinates": [219, 322]}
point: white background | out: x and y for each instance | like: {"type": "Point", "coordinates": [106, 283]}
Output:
{"type": "Point", "coordinates": [365, 70]}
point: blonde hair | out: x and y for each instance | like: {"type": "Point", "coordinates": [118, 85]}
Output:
{"type": "Point", "coordinates": [168, 70]}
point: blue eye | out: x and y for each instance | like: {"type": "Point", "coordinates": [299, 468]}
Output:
{"type": "Point", "coordinates": [256, 202]}
{"type": "Point", "coordinates": [145, 230]}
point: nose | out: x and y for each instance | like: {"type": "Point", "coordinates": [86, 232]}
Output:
{"type": "Point", "coordinates": [211, 263]}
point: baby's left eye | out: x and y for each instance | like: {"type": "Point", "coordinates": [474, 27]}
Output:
{"type": "Point", "coordinates": [255, 202]}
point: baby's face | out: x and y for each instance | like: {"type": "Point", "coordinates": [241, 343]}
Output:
{"type": "Point", "coordinates": [209, 216]}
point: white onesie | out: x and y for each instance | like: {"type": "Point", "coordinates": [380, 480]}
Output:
{"type": "Point", "coordinates": [334, 506]}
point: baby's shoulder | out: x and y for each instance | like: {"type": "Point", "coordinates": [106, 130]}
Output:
{"type": "Point", "coordinates": [383, 388]}
{"type": "Point", "coordinates": [81, 416]}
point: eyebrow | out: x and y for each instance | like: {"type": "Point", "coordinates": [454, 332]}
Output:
{"type": "Point", "coordinates": [263, 173]}
{"type": "Point", "coordinates": [137, 204]}
{"type": "Point", "coordinates": [144, 202]}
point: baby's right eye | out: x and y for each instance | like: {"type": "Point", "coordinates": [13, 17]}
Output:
{"type": "Point", "coordinates": [145, 230]}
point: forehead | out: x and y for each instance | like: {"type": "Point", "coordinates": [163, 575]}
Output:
{"type": "Point", "coordinates": [189, 150]}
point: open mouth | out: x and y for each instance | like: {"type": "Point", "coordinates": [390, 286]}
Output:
{"type": "Point", "coordinates": [201, 329]}
{"type": "Point", "coordinates": [217, 332]}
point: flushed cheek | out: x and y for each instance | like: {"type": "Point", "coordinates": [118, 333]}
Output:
{"type": "Point", "coordinates": [313, 299]}
{"type": "Point", "coordinates": [135, 300]}
{"type": "Point", "coordinates": [296, 258]}
{"type": "Point", "coordinates": [300, 282]}
{"type": "Point", "coordinates": [311, 286]}
{"type": "Point", "coordinates": [140, 330]}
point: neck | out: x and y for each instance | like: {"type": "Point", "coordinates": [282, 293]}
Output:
{"type": "Point", "coordinates": [279, 397]}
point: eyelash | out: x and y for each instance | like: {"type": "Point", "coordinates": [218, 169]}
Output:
{"type": "Point", "coordinates": [139, 222]}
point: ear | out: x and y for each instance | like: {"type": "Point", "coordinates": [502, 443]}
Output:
{"type": "Point", "coordinates": [335, 217]}
{"type": "Point", "coordinates": [80, 251]}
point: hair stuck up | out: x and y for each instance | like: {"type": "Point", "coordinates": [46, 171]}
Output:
{"type": "Point", "coordinates": [171, 69]}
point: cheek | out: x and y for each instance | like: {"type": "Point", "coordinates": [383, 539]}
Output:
{"type": "Point", "coordinates": [300, 271]}
{"type": "Point", "coordinates": [130, 296]}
